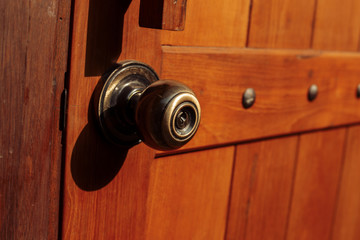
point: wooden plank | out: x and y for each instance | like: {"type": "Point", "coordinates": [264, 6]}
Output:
{"type": "Point", "coordinates": [105, 187]}
{"type": "Point", "coordinates": [103, 35]}
{"type": "Point", "coordinates": [189, 195]}
{"type": "Point", "coordinates": [174, 14]}
{"type": "Point", "coordinates": [33, 56]}
{"type": "Point", "coordinates": [281, 79]}
{"type": "Point", "coordinates": [106, 195]}
{"type": "Point", "coordinates": [316, 183]}
{"type": "Point", "coordinates": [163, 14]}
{"type": "Point", "coordinates": [212, 23]}
{"type": "Point", "coordinates": [347, 218]}
{"type": "Point", "coordinates": [281, 24]}
{"type": "Point", "coordinates": [337, 25]}
{"type": "Point", "coordinates": [261, 189]}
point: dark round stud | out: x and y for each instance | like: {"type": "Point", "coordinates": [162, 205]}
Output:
{"type": "Point", "coordinates": [248, 98]}
{"type": "Point", "coordinates": [312, 92]}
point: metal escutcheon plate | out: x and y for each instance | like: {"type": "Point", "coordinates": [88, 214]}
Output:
{"type": "Point", "coordinates": [114, 110]}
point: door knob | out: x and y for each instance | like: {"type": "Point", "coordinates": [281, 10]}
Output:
{"type": "Point", "coordinates": [134, 105]}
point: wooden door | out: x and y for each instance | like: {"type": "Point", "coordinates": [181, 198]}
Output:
{"type": "Point", "coordinates": [285, 168]}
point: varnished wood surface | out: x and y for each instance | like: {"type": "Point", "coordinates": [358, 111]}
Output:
{"type": "Point", "coordinates": [212, 23]}
{"type": "Point", "coordinates": [34, 42]}
{"type": "Point", "coordinates": [174, 15]}
{"type": "Point", "coordinates": [280, 78]}
{"type": "Point", "coordinates": [337, 25]}
{"type": "Point", "coordinates": [316, 183]}
{"type": "Point", "coordinates": [281, 24]}
{"type": "Point", "coordinates": [105, 187]}
{"type": "Point", "coordinates": [112, 193]}
{"type": "Point", "coordinates": [296, 187]}
{"type": "Point", "coordinates": [261, 189]}
{"type": "Point", "coordinates": [189, 195]}
{"type": "Point", "coordinates": [162, 14]}
{"type": "Point", "coordinates": [33, 56]}
{"type": "Point", "coordinates": [318, 208]}
{"type": "Point", "coordinates": [347, 215]}
{"type": "Point", "coordinates": [105, 195]}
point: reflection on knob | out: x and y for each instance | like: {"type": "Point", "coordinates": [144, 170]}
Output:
{"type": "Point", "coordinates": [135, 105]}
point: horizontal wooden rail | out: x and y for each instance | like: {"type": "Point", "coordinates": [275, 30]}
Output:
{"type": "Point", "coordinates": [281, 79]}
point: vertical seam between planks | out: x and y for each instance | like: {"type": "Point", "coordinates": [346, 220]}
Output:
{"type": "Point", "coordinates": [292, 184]}
{"type": "Point", "coordinates": [230, 192]}
{"type": "Point", "coordinates": [313, 23]}
{"type": "Point", "coordinates": [253, 175]}
{"type": "Point", "coordinates": [249, 23]}
{"type": "Point", "coordinates": [58, 164]}
{"type": "Point", "coordinates": [161, 60]}
{"type": "Point", "coordinates": [338, 188]}
{"type": "Point", "coordinates": [359, 42]}
{"type": "Point", "coordinates": [66, 119]}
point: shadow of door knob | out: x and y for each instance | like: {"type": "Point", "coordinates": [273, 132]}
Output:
{"type": "Point", "coordinates": [135, 105]}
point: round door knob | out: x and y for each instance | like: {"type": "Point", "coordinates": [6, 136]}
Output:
{"type": "Point", "coordinates": [134, 106]}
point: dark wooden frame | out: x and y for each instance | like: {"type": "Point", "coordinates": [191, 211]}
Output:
{"type": "Point", "coordinates": [34, 39]}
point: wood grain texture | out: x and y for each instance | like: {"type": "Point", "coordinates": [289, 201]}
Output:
{"type": "Point", "coordinates": [212, 23]}
{"type": "Point", "coordinates": [174, 15]}
{"type": "Point", "coordinates": [33, 56]}
{"type": "Point", "coordinates": [261, 189]}
{"type": "Point", "coordinates": [189, 195]}
{"type": "Point", "coordinates": [281, 24]}
{"type": "Point", "coordinates": [337, 25]}
{"type": "Point", "coordinates": [162, 14]}
{"type": "Point", "coordinates": [281, 79]}
{"type": "Point", "coordinates": [316, 182]}
{"type": "Point", "coordinates": [347, 218]}
{"type": "Point", "coordinates": [105, 187]}
{"type": "Point", "coordinates": [107, 196]}
{"type": "Point", "coordinates": [114, 193]}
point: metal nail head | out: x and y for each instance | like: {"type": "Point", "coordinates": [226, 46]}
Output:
{"type": "Point", "coordinates": [312, 92]}
{"type": "Point", "coordinates": [248, 98]}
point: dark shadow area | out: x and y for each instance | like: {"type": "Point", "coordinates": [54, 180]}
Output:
{"type": "Point", "coordinates": [151, 13]}
{"type": "Point", "coordinates": [95, 161]}
{"type": "Point", "coordinates": [104, 34]}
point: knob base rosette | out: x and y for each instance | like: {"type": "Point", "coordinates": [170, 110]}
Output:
{"type": "Point", "coordinates": [134, 106]}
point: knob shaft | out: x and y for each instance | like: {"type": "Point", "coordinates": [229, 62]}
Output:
{"type": "Point", "coordinates": [135, 105]}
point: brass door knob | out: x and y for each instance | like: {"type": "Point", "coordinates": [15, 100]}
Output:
{"type": "Point", "coordinates": [135, 105]}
